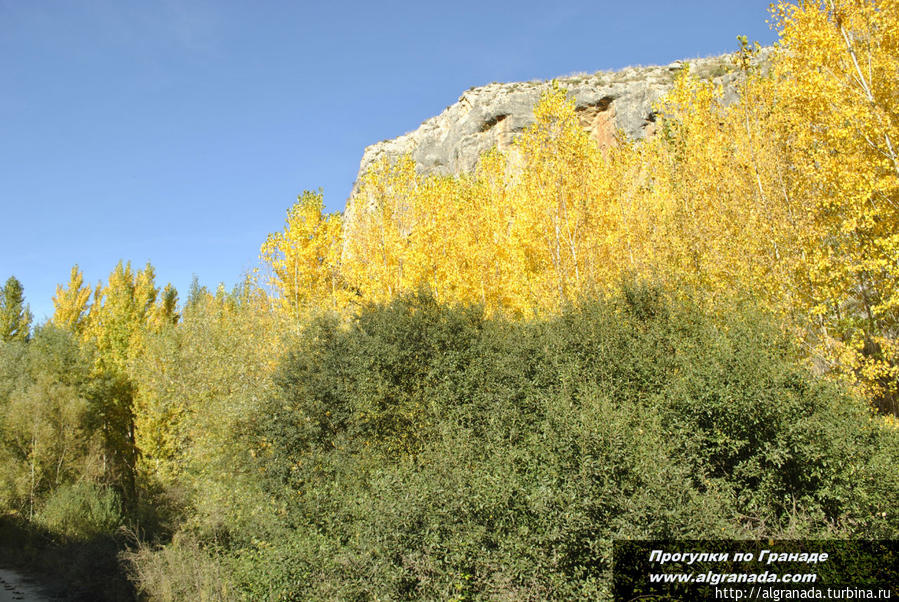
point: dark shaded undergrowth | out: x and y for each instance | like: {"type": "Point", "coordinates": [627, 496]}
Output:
{"type": "Point", "coordinates": [87, 569]}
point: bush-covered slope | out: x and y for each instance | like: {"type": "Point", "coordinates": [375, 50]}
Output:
{"type": "Point", "coordinates": [421, 451]}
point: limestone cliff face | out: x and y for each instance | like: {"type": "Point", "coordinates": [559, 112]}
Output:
{"type": "Point", "coordinates": [494, 114]}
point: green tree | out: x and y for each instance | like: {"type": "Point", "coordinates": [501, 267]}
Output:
{"type": "Point", "coordinates": [15, 317]}
{"type": "Point", "coordinates": [46, 438]}
{"type": "Point", "coordinates": [197, 384]}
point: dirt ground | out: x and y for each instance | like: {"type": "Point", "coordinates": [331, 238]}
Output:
{"type": "Point", "coordinates": [15, 587]}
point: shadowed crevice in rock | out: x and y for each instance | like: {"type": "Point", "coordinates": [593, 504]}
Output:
{"type": "Point", "coordinates": [492, 121]}
{"type": "Point", "coordinates": [602, 104]}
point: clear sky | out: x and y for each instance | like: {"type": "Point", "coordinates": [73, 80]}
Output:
{"type": "Point", "coordinates": [179, 132]}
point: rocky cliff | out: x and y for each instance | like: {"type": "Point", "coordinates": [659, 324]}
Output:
{"type": "Point", "coordinates": [494, 114]}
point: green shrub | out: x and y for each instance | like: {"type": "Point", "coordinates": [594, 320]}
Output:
{"type": "Point", "coordinates": [81, 511]}
{"type": "Point", "coordinates": [180, 571]}
{"type": "Point", "coordinates": [425, 452]}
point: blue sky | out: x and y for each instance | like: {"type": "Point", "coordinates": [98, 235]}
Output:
{"type": "Point", "coordinates": [180, 132]}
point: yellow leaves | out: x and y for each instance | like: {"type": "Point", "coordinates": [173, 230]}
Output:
{"type": "Point", "coordinates": [304, 258]}
{"type": "Point", "coordinates": [836, 85]}
{"type": "Point", "coordinates": [118, 317]}
{"type": "Point", "coordinates": [381, 217]}
{"type": "Point", "coordinates": [537, 228]}
{"type": "Point", "coordinates": [123, 311]}
{"type": "Point", "coordinates": [71, 303]}
{"type": "Point", "coordinates": [790, 194]}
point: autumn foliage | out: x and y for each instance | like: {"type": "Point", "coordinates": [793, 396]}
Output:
{"type": "Point", "coordinates": [466, 387]}
{"type": "Point", "coordinates": [788, 196]}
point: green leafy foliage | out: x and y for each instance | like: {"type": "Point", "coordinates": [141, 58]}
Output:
{"type": "Point", "coordinates": [423, 451]}
{"type": "Point", "coordinates": [15, 317]}
{"type": "Point", "coordinates": [81, 510]}
{"type": "Point", "coordinates": [201, 382]}
{"type": "Point", "coordinates": [47, 437]}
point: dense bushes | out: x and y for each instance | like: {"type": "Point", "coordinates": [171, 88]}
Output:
{"type": "Point", "coordinates": [60, 494]}
{"type": "Point", "coordinates": [47, 415]}
{"type": "Point", "coordinates": [81, 510]}
{"type": "Point", "coordinates": [422, 451]}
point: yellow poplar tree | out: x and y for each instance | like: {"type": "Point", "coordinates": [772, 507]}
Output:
{"type": "Point", "coordinates": [71, 302]}
{"type": "Point", "coordinates": [383, 217]}
{"type": "Point", "coordinates": [837, 83]}
{"type": "Point", "coordinates": [552, 216]}
{"type": "Point", "coordinates": [305, 256]}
